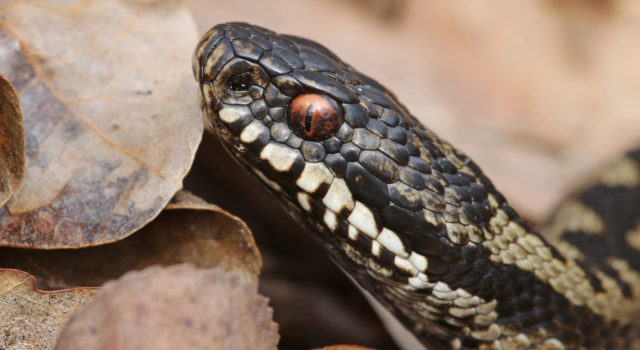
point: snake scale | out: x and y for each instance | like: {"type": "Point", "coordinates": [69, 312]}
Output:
{"type": "Point", "coordinates": [410, 218]}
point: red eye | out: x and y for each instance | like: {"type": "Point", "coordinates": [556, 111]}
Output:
{"type": "Point", "coordinates": [314, 117]}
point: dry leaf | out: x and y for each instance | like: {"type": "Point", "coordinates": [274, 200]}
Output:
{"type": "Point", "coordinates": [11, 141]}
{"type": "Point", "coordinates": [190, 230]}
{"type": "Point", "coordinates": [32, 319]}
{"type": "Point", "coordinates": [111, 118]}
{"type": "Point", "coordinates": [176, 307]}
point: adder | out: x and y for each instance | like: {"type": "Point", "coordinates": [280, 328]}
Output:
{"type": "Point", "coordinates": [410, 218]}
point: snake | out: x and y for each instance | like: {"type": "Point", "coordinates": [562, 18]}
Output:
{"type": "Point", "coordinates": [412, 220]}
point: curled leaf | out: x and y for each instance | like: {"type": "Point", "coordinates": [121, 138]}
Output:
{"type": "Point", "coordinates": [177, 307]}
{"type": "Point", "coordinates": [31, 318]}
{"type": "Point", "coordinates": [11, 141]}
{"type": "Point", "coordinates": [111, 120]}
{"type": "Point", "coordinates": [189, 231]}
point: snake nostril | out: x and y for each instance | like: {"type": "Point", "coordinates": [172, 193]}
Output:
{"type": "Point", "coordinates": [314, 116]}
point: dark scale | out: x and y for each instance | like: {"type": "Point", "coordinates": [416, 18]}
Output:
{"type": "Point", "coordinates": [288, 85]}
{"type": "Point", "coordinates": [290, 58]}
{"type": "Point", "coordinates": [247, 49]}
{"type": "Point", "coordinates": [379, 165]}
{"type": "Point", "coordinates": [403, 124]}
{"type": "Point", "coordinates": [427, 245]}
{"type": "Point", "coordinates": [433, 203]}
{"type": "Point", "coordinates": [365, 187]}
{"type": "Point", "coordinates": [362, 244]}
{"type": "Point", "coordinates": [312, 151]}
{"type": "Point", "coordinates": [238, 32]}
{"type": "Point", "coordinates": [332, 144]}
{"type": "Point", "coordinates": [355, 115]}
{"type": "Point", "coordinates": [342, 227]}
{"type": "Point", "coordinates": [337, 164]}
{"type": "Point", "coordinates": [427, 227]}
{"type": "Point", "coordinates": [320, 82]}
{"type": "Point", "coordinates": [286, 46]}
{"type": "Point", "coordinates": [377, 97]}
{"type": "Point", "coordinates": [274, 64]}
{"type": "Point", "coordinates": [405, 196]}
{"type": "Point", "coordinates": [443, 165]}
{"type": "Point", "coordinates": [277, 113]}
{"type": "Point", "coordinates": [294, 141]}
{"type": "Point", "coordinates": [460, 268]}
{"type": "Point", "coordinates": [394, 150]}
{"type": "Point", "coordinates": [477, 192]}
{"type": "Point", "coordinates": [411, 177]}
{"type": "Point", "coordinates": [470, 212]}
{"type": "Point", "coordinates": [453, 198]}
{"type": "Point", "coordinates": [350, 152]}
{"type": "Point", "coordinates": [345, 133]}
{"type": "Point", "coordinates": [267, 121]}
{"type": "Point", "coordinates": [398, 219]}
{"type": "Point", "coordinates": [420, 165]}
{"type": "Point", "coordinates": [483, 211]}
{"type": "Point", "coordinates": [469, 279]}
{"type": "Point", "coordinates": [452, 253]}
{"type": "Point", "coordinates": [433, 185]}
{"type": "Point", "coordinates": [386, 258]}
{"type": "Point", "coordinates": [274, 98]}
{"type": "Point", "coordinates": [398, 135]}
{"type": "Point", "coordinates": [377, 127]}
{"type": "Point", "coordinates": [264, 44]}
{"type": "Point", "coordinates": [316, 61]}
{"type": "Point", "coordinates": [390, 117]}
{"type": "Point", "coordinates": [454, 179]}
{"type": "Point", "coordinates": [374, 110]}
{"type": "Point", "coordinates": [364, 139]}
{"type": "Point", "coordinates": [436, 268]}
{"type": "Point", "coordinates": [412, 148]}
{"type": "Point", "coordinates": [218, 61]}
{"type": "Point", "coordinates": [280, 132]}
{"type": "Point", "coordinates": [259, 109]}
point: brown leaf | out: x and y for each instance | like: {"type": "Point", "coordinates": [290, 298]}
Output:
{"type": "Point", "coordinates": [111, 118]}
{"type": "Point", "coordinates": [190, 230]}
{"type": "Point", "coordinates": [11, 141]}
{"type": "Point", "coordinates": [31, 318]}
{"type": "Point", "coordinates": [176, 307]}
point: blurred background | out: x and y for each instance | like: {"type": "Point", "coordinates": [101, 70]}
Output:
{"type": "Point", "coordinates": [537, 93]}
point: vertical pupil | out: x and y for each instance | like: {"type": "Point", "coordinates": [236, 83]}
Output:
{"type": "Point", "coordinates": [314, 116]}
{"type": "Point", "coordinates": [308, 118]}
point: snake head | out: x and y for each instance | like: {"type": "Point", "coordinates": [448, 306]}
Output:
{"type": "Point", "coordinates": [337, 147]}
{"type": "Point", "coordinates": [377, 188]}
{"type": "Point", "coordinates": [412, 220]}
{"type": "Point", "coordinates": [258, 87]}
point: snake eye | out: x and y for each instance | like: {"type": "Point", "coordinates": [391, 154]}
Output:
{"type": "Point", "coordinates": [241, 82]}
{"type": "Point", "coordinates": [314, 117]}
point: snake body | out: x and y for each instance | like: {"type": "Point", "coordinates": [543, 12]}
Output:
{"type": "Point", "coordinates": [412, 219]}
